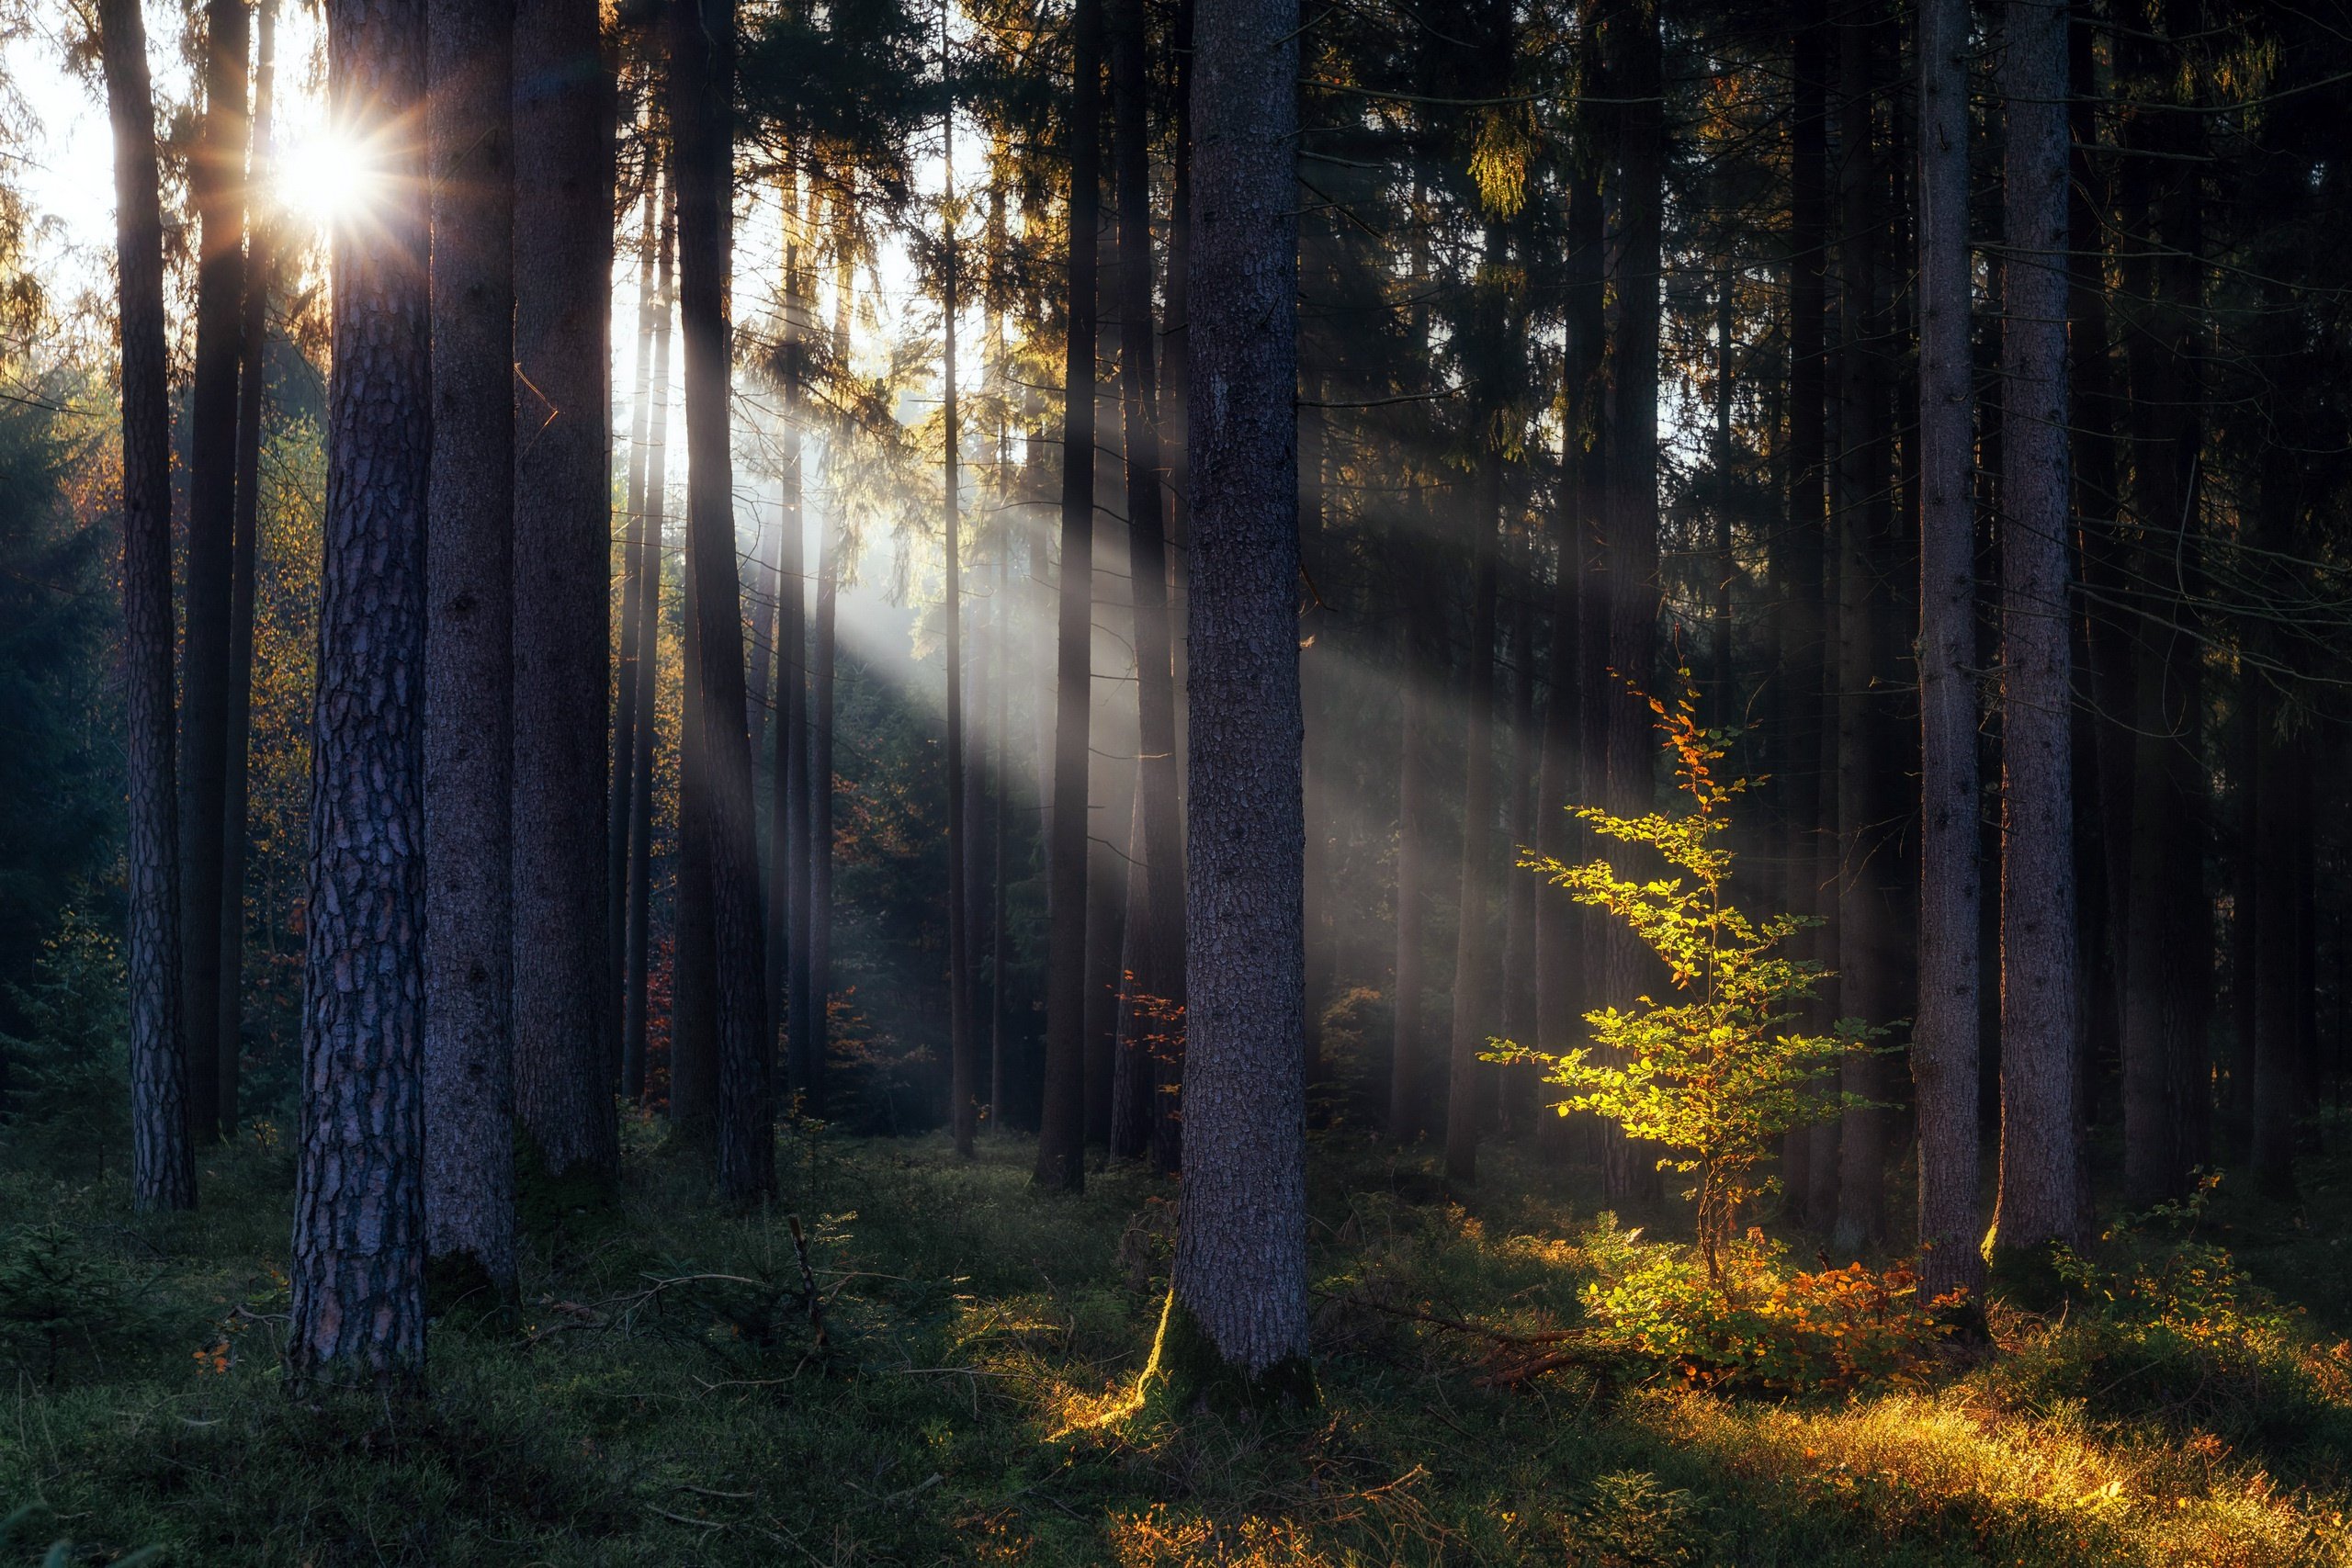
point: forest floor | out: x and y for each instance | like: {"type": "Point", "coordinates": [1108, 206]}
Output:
{"type": "Point", "coordinates": [664, 1397]}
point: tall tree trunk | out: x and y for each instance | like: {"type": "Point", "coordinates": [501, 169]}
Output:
{"type": "Point", "coordinates": [1804, 644]}
{"type": "Point", "coordinates": [564, 1092]}
{"type": "Point", "coordinates": [1635, 74]}
{"type": "Point", "coordinates": [2166, 974]}
{"type": "Point", "coordinates": [1160, 947]}
{"type": "Point", "coordinates": [2039, 1201]}
{"type": "Point", "coordinates": [468, 701]}
{"type": "Point", "coordinates": [964, 1062]}
{"type": "Point", "coordinates": [788, 944]}
{"type": "Point", "coordinates": [819, 947]}
{"type": "Point", "coordinates": [1511, 1097]}
{"type": "Point", "coordinates": [1563, 931]}
{"type": "Point", "coordinates": [630, 715]}
{"type": "Point", "coordinates": [1062, 1135]}
{"type": "Point", "coordinates": [217, 191]}
{"type": "Point", "coordinates": [359, 1242]}
{"type": "Point", "coordinates": [2281, 851]}
{"type": "Point", "coordinates": [1001, 643]}
{"type": "Point", "coordinates": [162, 1168]}
{"type": "Point", "coordinates": [1237, 1304]}
{"type": "Point", "coordinates": [1869, 946]}
{"type": "Point", "coordinates": [702, 67]}
{"type": "Point", "coordinates": [653, 504]}
{"type": "Point", "coordinates": [1944, 1039]}
{"type": "Point", "coordinates": [1474, 975]}
{"type": "Point", "coordinates": [252, 336]}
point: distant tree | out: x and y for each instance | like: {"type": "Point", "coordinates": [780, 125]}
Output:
{"type": "Point", "coordinates": [1237, 1300]}
{"type": "Point", "coordinates": [358, 1248]}
{"type": "Point", "coordinates": [163, 1166]}
{"type": "Point", "coordinates": [469, 691]}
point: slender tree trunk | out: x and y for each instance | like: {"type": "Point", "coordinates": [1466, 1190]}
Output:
{"type": "Point", "coordinates": [1944, 1038]}
{"type": "Point", "coordinates": [1509, 1099]}
{"type": "Point", "coordinates": [217, 191]}
{"type": "Point", "coordinates": [701, 66]}
{"type": "Point", "coordinates": [653, 503]}
{"type": "Point", "coordinates": [563, 544]}
{"type": "Point", "coordinates": [819, 947]}
{"type": "Point", "coordinates": [629, 714]}
{"type": "Point", "coordinates": [2281, 850]}
{"type": "Point", "coordinates": [1563, 935]}
{"type": "Point", "coordinates": [1001, 646]}
{"type": "Point", "coordinates": [1407, 1061]}
{"type": "Point", "coordinates": [253, 335]}
{"type": "Point", "coordinates": [963, 1062]}
{"type": "Point", "coordinates": [162, 1168]}
{"type": "Point", "coordinates": [360, 1241]}
{"type": "Point", "coordinates": [1473, 976]}
{"type": "Point", "coordinates": [468, 936]}
{"type": "Point", "coordinates": [2166, 973]}
{"type": "Point", "coordinates": [1236, 1306]}
{"type": "Point", "coordinates": [2038, 1201]}
{"type": "Point", "coordinates": [1803, 636]}
{"type": "Point", "coordinates": [1869, 947]}
{"type": "Point", "coordinates": [1061, 1138]}
{"type": "Point", "coordinates": [1636, 76]}
{"type": "Point", "coordinates": [789, 805]}
{"type": "Point", "coordinates": [1160, 946]}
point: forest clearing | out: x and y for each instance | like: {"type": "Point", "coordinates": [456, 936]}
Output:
{"type": "Point", "coordinates": [665, 1396]}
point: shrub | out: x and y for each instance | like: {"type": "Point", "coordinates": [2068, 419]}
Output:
{"type": "Point", "coordinates": [1761, 1325]}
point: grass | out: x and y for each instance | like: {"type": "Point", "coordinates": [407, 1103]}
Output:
{"type": "Point", "coordinates": [663, 1399]}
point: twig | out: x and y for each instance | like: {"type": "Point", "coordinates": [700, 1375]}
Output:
{"type": "Point", "coordinates": [808, 1281]}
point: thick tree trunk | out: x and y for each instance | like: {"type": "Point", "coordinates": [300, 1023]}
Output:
{"type": "Point", "coordinates": [702, 65]}
{"type": "Point", "coordinates": [637, 968]}
{"type": "Point", "coordinates": [2038, 1199]}
{"type": "Point", "coordinates": [563, 1095]}
{"type": "Point", "coordinates": [359, 1244]}
{"type": "Point", "coordinates": [217, 191]}
{"type": "Point", "coordinates": [1062, 1135]}
{"type": "Point", "coordinates": [261, 267]}
{"type": "Point", "coordinates": [1474, 967]}
{"type": "Point", "coordinates": [162, 1168]}
{"type": "Point", "coordinates": [1944, 1040]}
{"type": "Point", "coordinates": [468, 700]}
{"type": "Point", "coordinates": [1236, 1306]}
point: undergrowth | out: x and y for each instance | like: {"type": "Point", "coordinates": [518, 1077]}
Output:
{"type": "Point", "coordinates": [938, 1369]}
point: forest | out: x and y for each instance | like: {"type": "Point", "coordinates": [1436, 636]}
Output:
{"type": "Point", "coordinates": [1262, 782]}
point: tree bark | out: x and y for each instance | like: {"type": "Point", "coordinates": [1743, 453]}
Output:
{"type": "Point", "coordinates": [162, 1168]}
{"type": "Point", "coordinates": [2038, 1201]}
{"type": "Point", "coordinates": [562, 539]}
{"type": "Point", "coordinates": [1237, 1299]}
{"type": "Point", "coordinates": [359, 1244]}
{"type": "Point", "coordinates": [630, 713]}
{"type": "Point", "coordinates": [468, 698]}
{"type": "Point", "coordinates": [964, 1062]}
{"type": "Point", "coordinates": [702, 64]}
{"type": "Point", "coordinates": [1944, 1040]}
{"type": "Point", "coordinates": [216, 190]}
{"type": "Point", "coordinates": [1061, 1136]}
{"type": "Point", "coordinates": [260, 273]}
{"type": "Point", "coordinates": [789, 807]}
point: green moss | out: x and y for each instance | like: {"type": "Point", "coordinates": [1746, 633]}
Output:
{"type": "Point", "coordinates": [1187, 1372]}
